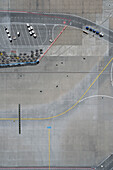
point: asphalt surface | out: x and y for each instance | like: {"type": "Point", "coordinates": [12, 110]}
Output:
{"type": "Point", "coordinates": [74, 21]}
{"type": "Point", "coordinates": [107, 164]}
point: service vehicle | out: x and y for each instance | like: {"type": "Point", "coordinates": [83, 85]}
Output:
{"type": "Point", "coordinates": [18, 33]}
{"type": "Point", "coordinates": [7, 31]}
{"type": "Point", "coordinates": [31, 28]}
{"type": "Point", "coordinates": [10, 39]}
{"type": "Point", "coordinates": [90, 29]}
{"type": "Point", "coordinates": [14, 38]}
{"type": "Point", "coordinates": [30, 33]}
{"type": "Point", "coordinates": [34, 35]}
{"type": "Point", "coordinates": [50, 40]}
{"type": "Point", "coordinates": [33, 31]}
{"type": "Point", "coordinates": [101, 34]}
{"type": "Point", "coordinates": [94, 30]}
{"type": "Point", "coordinates": [28, 25]}
{"type": "Point", "coordinates": [97, 32]}
{"type": "Point", "coordinates": [9, 36]}
{"type": "Point", "coordinates": [87, 28]}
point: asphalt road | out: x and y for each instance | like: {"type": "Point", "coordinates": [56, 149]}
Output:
{"type": "Point", "coordinates": [74, 21]}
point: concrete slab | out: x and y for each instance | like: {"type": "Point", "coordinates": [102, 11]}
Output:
{"type": "Point", "coordinates": [59, 6]}
{"type": "Point", "coordinates": [71, 36]}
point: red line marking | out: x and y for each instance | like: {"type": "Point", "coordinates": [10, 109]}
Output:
{"type": "Point", "coordinates": [53, 42]}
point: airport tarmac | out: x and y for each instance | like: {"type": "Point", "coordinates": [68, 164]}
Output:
{"type": "Point", "coordinates": [80, 135]}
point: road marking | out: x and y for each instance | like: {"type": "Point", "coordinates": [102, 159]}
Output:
{"type": "Point", "coordinates": [49, 32]}
{"type": "Point", "coordinates": [55, 25]}
{"type": "Point", "coordinates": [46, 118]}
{"type": "Point", "coordinates": [89, 97]}
{"type": "Point", "coordinates": [39, 35]}
{"type": "Point", "coordinates": [49, 16]}
{"type": "Point", "coordinates": [22, 36]}
{"type": "Point", "coordinates": [4, 38]}
{"type": "Point", "coordinates": [53, 42]}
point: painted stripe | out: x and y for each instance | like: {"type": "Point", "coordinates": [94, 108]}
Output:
{"type": "Point", "coordinates": [53, 42]}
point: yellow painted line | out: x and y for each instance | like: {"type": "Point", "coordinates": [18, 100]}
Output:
{"type": "Point", "coordinates": [46, 118]}
{"type": "Point", "coordinates": [49, 146]}
{"type": "Point", "coordinates": [8, 118]}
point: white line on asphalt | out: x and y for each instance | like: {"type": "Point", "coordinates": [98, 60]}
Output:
{"type": "Point", "coordinates": [13, 34]}
{"type": "Point", "coordinates": [39, 35]}
{"type": "Point", "coordinates": [46, 34]}
{"type": "Point", "coordinates": [16, 31]}
{"type": "Point", "coordinates": [53, 37]}
{"type": "Point", "coordinates": [2, 32]}
{"type": "Point", "coordinates": [22, 35]}
{"type": "Point", "coordinates": [89, 97]}
{"type": "Point", "coordinates": [18, 23]}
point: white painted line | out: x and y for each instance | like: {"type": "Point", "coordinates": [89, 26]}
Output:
{"type": "Point", "coordinates": [104, 160]}
{"type": "Point", "coordinates": [39, 35]}
{"type": "Point", "coordinates": [3, 33]}
{"type": "Point", "coordinates": [89, 97]}
{"type": "Point", "coordinates": [49, 32]}
{"type": "Point", "coordinates": [46, 34]}
{"type": "Point", "coordinates": [22, 34]}
{"type": "Point", "coordinates": [12, 34]}
{"type": "Point", "coordinates": [18, 23]}
{"type": "Point", "coordinates": [55, 25]}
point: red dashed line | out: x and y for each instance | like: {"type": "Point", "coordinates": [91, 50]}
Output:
{"type": "Point", "coordinates": [53, 42]}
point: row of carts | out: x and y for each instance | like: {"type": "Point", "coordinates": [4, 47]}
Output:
{"type": "Point", "coordinates": [18, 60]}
{"type": "Point", "coordinates": [94, 31]}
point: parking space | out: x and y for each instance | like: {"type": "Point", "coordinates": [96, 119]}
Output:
{"type": "Point", "coordinates": [25, 39]}
{"type": "Point", "coordinates": [3, 37]}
